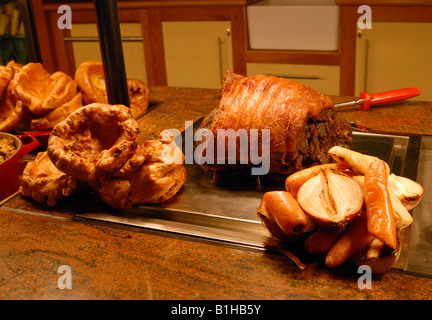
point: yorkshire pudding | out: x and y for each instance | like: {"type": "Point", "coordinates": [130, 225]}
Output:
{"type": "Point", "coordinates": [12, 112]}
{"type": "Point", "coordinates": [301, 123]}
{"type": "Point", "coordinates": [146, 177]}
{"type": "Point", "coordinates": [43, 182]}
{"type": "Point", "coordinates": [90, 78]}
{"type": "Point", "coordinates": [14, 65]}
{"type": "Point", "coordinates": [6, 74]}
{"type": "Point", "coordinates": [42, 92]}
{"type": "Point", "coordinates": [48, 121]}
{"type": "Point", "coordinates": [93, 141]}
{"type": "Point", "coordinates": [139, 96]}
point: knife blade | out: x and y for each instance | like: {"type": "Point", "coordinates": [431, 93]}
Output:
{"type": "Point", "coordinates": [366, 99]}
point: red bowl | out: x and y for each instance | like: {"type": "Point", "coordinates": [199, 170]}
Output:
{"type": "Point", "coordinates": [12, 168]}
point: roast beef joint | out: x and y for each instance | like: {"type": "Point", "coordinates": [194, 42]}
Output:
{"type": "Point", "coordinates": [303, 124]}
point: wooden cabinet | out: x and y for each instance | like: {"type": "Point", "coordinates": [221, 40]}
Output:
{"type": "Point", "coordinates": [85, 46]}
{"type": "Point", "coordinates": [393, 62]}
{"type": "Point", "coordinates": [394, 55]}
{"type": "Point", "coordinates": [197, 53]}
{"type": "Point", "coordinates": [167, 57]}
{"type": "Point", "coordinates": [324, 79]}
{"type": "Point", "coordinates": [172, 56]}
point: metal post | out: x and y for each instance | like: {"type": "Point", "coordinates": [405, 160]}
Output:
{"type": "Point", "coordinates": [31, 37]}
{"type": "Point", "coordinates": [112, 51]}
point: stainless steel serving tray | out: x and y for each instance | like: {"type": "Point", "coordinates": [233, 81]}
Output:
{"type": "Point", "coordinates": [225, 213]}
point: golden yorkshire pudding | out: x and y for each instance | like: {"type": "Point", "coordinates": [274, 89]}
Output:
{"type": "Point", "coordinates": [93, 141]}
{"type": "Point", "coordinates": [147, 177]}
{"type": "Point", "coordinates": [91, 83]}
{"type": "Point", "coordinates": [48, 121]}
{"type": "Point", "coordinates": [14, 65]}
{"type": "Point", "coordinates": [42, 92]}
{"type": "Point", "coordinates": [6, 74]}
{"type": "Point", "coordinates": [139, 95]}
{"type": "Point", "coordinates": [12, 112]}
{"type": "Point", "coordinates": [43, 182]}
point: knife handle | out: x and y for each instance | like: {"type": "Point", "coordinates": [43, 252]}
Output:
{"type": "Point", "coordinates": [387, 96]}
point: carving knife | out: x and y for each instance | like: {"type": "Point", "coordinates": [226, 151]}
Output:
{"type": "Point", "coordinates": [366, 99]}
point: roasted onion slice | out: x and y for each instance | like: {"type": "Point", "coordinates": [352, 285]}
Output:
{"type": "Point", "coordinates": [332, 198]}
{"type": "Point", "coordinates": [409, 192]}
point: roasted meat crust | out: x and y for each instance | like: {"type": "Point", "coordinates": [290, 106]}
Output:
{"type": "Point", "coordinates": [303, 123]}
{"type": "Point", "coordinates": [44, 183]}
{"type": "Point", "coordinates": [91, 83]}
{"type": "Point", "coordinates": [145, 178]}
{"type": "Point", "coordinates": [93, 141]}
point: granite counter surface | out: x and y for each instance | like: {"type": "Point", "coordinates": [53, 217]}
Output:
{"type": "Point", "coordinates": [110, 262]}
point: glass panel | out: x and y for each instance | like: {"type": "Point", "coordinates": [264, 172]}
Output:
{"type": "Point", "coordinates": [13, 44]}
